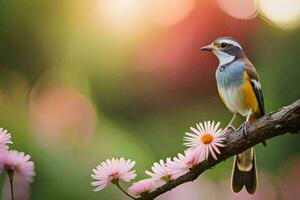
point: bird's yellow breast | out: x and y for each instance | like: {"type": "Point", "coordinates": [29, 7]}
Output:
{"type": "Point", "coordinates": [240, 99]}
{"type": "Point", "coordinates": [249, 97]}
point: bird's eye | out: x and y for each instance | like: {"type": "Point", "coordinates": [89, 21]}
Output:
{"type": "Point", "coordinates": [223, 44]}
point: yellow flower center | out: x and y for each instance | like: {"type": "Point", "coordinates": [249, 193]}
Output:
{"type": "Point", "coordinates": [207, 138]}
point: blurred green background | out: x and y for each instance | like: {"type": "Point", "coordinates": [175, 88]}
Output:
{"type": "Point", "coordinates": [86, 80]}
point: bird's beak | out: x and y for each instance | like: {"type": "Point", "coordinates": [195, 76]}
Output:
{"type": "Point", "coordinates": [208, 48]}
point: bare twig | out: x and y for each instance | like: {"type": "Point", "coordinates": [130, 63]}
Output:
{"type": "Point", "coordinates": [285, 120]}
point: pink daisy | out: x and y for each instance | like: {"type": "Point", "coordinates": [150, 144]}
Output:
{"type": "Point", "coordinates": [141, 187]}
{"type": "Point", "coordinates": [182, 164]}
{"type": "Point", "coordinates": [112, 171]}
{"type": "Point", "coordinates": [17, 163]}
{"type": "Point", "coordinates": [206, 139]}
{"type": "Point", "coordinates": [160, 172]}
{"type": "Point", "coordinates": [5, 138]}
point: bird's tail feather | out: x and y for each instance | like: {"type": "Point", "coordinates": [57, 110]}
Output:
{"type": "Point", "coordinates": [244, 172]}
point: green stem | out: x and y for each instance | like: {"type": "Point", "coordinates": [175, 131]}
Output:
{"type": "Point", "coordinates": [10, 174]}
{"type": "Point", "coordinates": [118, 185]}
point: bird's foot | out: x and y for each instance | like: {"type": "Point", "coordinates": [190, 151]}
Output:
{"type": "Point", "coordinates": [229, 128]}
{"type": "Point", "coordinates": [244, 128]}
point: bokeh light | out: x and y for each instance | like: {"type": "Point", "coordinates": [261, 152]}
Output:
{"type": "Point", "coordinates": [169, 12]}
{"type": "Point", "coordinates": [245, 9]}
{"type": "Point", "coordinates": [284, 13]}
{"type": "Point", "coordinates": [62, 112]}
{"type": "Point", "coordinates": [82, 81]}
{"type": "Point", "coordinates": [126, 16]}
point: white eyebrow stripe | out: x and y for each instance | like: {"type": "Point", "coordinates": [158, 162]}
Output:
{"type": "Point", "coordinates": [230, 42]}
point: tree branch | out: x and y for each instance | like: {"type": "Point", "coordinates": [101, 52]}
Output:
{"type": "Point", "coordinates": [285, 120]}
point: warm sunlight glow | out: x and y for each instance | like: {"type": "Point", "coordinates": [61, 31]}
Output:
{"type": "Point", "coordinates": [122, 15]}
{"type": "Point", "coordinates": [170, 12]}
{"type": "Point", "coordinates": [284, 13]}
{"type": "Point", "coordinates": [240, 9]}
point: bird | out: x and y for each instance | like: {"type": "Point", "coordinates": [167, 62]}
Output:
{"type": "Point", "coordinates": [240, 90]}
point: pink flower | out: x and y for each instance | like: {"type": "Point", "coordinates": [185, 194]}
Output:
{"type": "Point", "coordinates": [206, 139]}
{"type": "Point", "coordinates": [183, 163]}
{"type": "Point", "coordinates": [112, 171]}
{"type": "Point", "coordinates": [160, 171]}
{"type": "Point", "coordinates": [141, 187]}
{"type": "Point", "coordinates": [5, 138]}
{"type": "Point", "coordinates": [17, 162]}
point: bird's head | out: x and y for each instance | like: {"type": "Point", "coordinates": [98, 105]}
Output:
{"type": "Point", "coordinates": [226, 49]}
